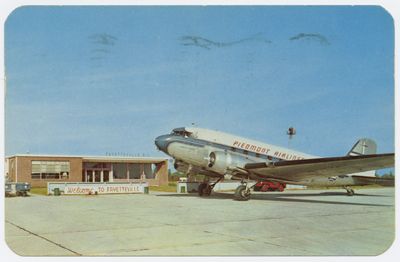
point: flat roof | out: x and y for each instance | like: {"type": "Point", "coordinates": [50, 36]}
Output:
{"type": "Point", "coordinates": [98, 158]}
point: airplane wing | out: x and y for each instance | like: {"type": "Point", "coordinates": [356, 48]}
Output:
{"type": "Point", "coordinates": [302, 170]}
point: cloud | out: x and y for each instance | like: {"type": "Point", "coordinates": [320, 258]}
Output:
{"type": "Point", "coordinates": [102, 44]}
{"type": "Point", "coordinates": [311, 36]}
{"type": "Point", "coordinates": [100, 50]}
{"type": "Point", "coordinates": [205, 43]}
{"type": "Point", "coordinates": [103, 39]}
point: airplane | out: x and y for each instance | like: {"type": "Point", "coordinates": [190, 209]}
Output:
{"type": "Point", "coordinates": [218, 155]}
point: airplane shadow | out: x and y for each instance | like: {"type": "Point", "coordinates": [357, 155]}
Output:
{"type": "Point", "coordinates": [288, 197]}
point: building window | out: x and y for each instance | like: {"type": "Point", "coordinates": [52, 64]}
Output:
{"type": "Point", "coordinates": [35, 175]}
{"type": "Point", "coordinates": [135, 171]}
{"type": "Point", "coordinates": [50, 169]}
{"type": "Point", "coordinates": [120, 170]}
{"type": "Point", "coordinates": [148, 171]}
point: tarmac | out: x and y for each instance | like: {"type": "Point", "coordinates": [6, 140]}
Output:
{"type": "Point", "coordinates": [290, 223]}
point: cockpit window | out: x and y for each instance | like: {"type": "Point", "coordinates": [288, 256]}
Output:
{"type": "Point", "coordinates": [180, 132]}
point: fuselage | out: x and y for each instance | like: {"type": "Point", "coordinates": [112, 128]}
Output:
{"type": "Point", "coordinates": [195, 138]}
{"type": "Point", "coordinates": [193, 149]}
{"type": "Point", "coordinates": [215, 153]}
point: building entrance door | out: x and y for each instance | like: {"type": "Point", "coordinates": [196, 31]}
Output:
{"type": "Point", "coordinates": [89, 176]}
{"type": "Point", "coordinates": [106, 176]}
{"type": "Point", "coordinates": [96, 172]}
{"type": "Point", "coordinates": [97, 176]}
{"type": "Point", "coordinates": [92, 176]}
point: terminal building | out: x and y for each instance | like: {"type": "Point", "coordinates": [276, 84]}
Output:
{"type": "Point", "coordinates": [40, 169]}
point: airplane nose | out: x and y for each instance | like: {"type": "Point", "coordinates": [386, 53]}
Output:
{"type": "Point", "coordinates": [162, 143]}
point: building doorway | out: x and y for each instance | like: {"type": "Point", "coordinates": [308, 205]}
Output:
{"type": "Point", "coordinates": [97, 176]}
{"type": "Point", "coordinates": [95, 172]}
{"type": "Point", "coordinates": [92, 176]}
{"type": "Point", "coordinates": [106, 176]}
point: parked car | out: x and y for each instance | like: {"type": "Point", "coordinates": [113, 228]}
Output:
{"type": "Point", "coordinates": [264, 186]}
{"type": "Point", "coordinates": [17, 189]}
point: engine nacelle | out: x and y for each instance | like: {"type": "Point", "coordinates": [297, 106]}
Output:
{"type": "Point", "coordinates": [220, 161]}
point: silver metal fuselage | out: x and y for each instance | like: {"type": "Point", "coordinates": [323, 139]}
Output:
{"type": "Point", "coordinates": [195, 153]}
{"type": "Point", "coordinates": [192, 155]}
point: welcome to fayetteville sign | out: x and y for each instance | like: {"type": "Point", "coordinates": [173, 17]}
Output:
{"type": "Point", "coordinates": [97, 188]}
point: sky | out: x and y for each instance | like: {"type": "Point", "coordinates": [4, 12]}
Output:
{"type": "Point", "coordinates": [100, 80]}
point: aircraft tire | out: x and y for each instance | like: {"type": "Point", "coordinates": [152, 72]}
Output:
{"type": "Point", "coordinates": [242, 194]}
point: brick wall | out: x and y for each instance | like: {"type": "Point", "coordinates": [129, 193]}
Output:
{"type": "Point", "coordinates": [23, 166]}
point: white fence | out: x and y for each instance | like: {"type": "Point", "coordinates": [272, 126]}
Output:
{"type": "Point", "coordinates": [97, 188]}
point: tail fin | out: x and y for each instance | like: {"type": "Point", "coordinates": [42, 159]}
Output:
{"type": "Point", "coordinates": [363, 146]}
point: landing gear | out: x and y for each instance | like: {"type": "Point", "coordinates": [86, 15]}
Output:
{"type": "Point", "coordinates": [206, 188]}
{"type": "Point", "coordinates": [350, 191]}
{"type": "Point", "coordinates": [242, 193]}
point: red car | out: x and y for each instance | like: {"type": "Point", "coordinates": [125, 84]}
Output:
{"type": "Point", "coordinates": [265, 186]}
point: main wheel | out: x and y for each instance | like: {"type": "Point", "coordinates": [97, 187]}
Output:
{"type": "Point", "coordinates": [350, 192]}
{"type": "Point", "coordinates": [202, 188]}
{"type": "Point", "coordinates": [242, 193]}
